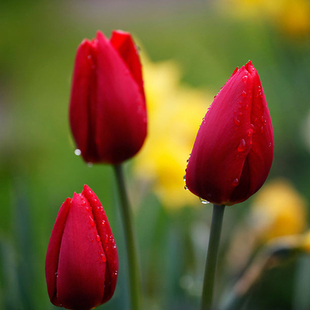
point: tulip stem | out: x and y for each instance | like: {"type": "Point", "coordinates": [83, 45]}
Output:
{"type": "Point", "coordinates": [213, 249]}
{"type": "Point", "coordinates": [130, 241]}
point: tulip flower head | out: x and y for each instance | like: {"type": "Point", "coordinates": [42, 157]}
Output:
{"type": "Point", "coordinates": [82, 261]}
{"type": "Point", "coordinates": [233, 151]}
{"type": "Point", "coordinates": [107, 108]}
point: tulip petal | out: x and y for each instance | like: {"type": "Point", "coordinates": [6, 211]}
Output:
{"type": "Point", "coordinates": [51, 264]}
{"type": "Point", "coordinates": [107, 240]}
{"type": "Point", "coordinates": [261, 155]}
{"type": "Point", "coordinates": [121, 116]}
{"type": "Point", "coordinates": [124, 44]}
{"type": "Point", "coordinates": [82, 107]}
{"type": "Point", "coordinates": [233, 150]}
{"type": "Point", "coordinates": [80, 259]}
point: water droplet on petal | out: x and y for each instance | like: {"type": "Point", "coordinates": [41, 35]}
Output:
{"type": "Point", "coordinates": [185, 187]}
{"type": "Point", "coordinates": [262, 129]}
{"type": "Point", "coordinates": [237, 121]}
{"type": "Point", "coordinates": [184, 178]}
{"type": "Point", "coordinates": [253, 127]}
{"type": "Point", "coordinates": [241, 146]}
{"type": "Point", "coordinates": [103, 222]}
{"type": "Point", "coordinates": [235, 182]}
{"type": "Point", "coordinates": [104, 258]}
{"type": "Point", "coordinates": [203, 201]}
{"type": "Point", "coordinates": [77, 152]}
{"type": "Point", "coordinates": [244, 78]}
{"type": "Point", "coordinates": [106, 238]}
{"type": "Point", "coordinates": [98, 238]}
{"type": "Point", "coordinates": [244, 93]}
{"type": "Point", "coordinates": [91, 220]}
{"type": "Point", "coordinates": [246, 106]}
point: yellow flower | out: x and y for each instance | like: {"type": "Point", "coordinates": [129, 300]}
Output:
{"type": "Point", "coordinates": [291, 16]}
{"type": "Point", "coordinates": [279, 210]}
{"type": "Point", "coordinates": [278, 214]}
{"type": "Point", "coordinates": [305, 243]}
{"type": "Point", "coordinates": [175, 112]}
{"type": "Point", "coordinates": [295, 18]}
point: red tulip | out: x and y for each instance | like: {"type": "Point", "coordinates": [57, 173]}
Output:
{"type": "Point", "coordinates": [82, 262]}
{"type": "Point", "coordinates": [107, 107]}
{"type": "Point", "coordinates": [233, 150]}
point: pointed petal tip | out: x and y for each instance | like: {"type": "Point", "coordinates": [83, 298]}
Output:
{"type": "Point", "coordinates": [249, 66]}
{"type": "Point", "coordinates": [85, 188]}
{"type": "Point", "coordinates": [120, 32]}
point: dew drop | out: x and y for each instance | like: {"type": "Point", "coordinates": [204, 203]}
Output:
{"type": "Point", "coordinates": [241, 146]}
{"type": "Point", "coordinates": [246, 106]}
{"type": "Point", "coordinates": [244, 93]}
{"type": "Point", "coordinates": [98, 238]}
{"type": "Point", "coordinates": [240, 113]}
{"type": "Point", "coordinates": [262, 129]}
{"type": "Point", "coordinates": [185, 187]}
{"type": "Point", "coordinates": [103, 257]}
{"type": "Point", "coordinates": [253, 127]}
{"type": "Point", "coordinates": [245, 78]}
{"type": "Point", "coordinates": [203, 201]}
{"type": "Point", "coordinates": [91, 220]}
{"type": "Point", "coordinates": [77, 152]}
{"type": "Point", "coordinates": [103, 222]}
{"type": "Point", "coordinates": [237, 121]}
{"type": "Point", "coordinates": [235, 182]}
{"type": "Point", "coordinates": [262, 118]}
{"type": "Point", "coordinates": [184, 178]}
{"type": "Point", "coordinates": [269, 145]}
{"type": "Point", "coordinates": [106, 238]}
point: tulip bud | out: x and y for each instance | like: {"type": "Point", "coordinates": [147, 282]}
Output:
{"type": "Point", "coordinates": [81, 262]}
{"type": "Point", "coordinates": [107, 108]}
{"type": "Point", "coordinates": [233, 150]}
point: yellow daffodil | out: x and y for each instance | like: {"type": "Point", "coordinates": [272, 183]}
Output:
{"type": "Point", "coordinates": [174, 112]}
{"type": "Point", "coordinates": [278, 214]}
{"type": "Point", "coordinates": [278, 210]}
{"type": "Point", "coordinates": [291, 16]}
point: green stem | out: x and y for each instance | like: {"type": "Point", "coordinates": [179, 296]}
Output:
{"type": "Point", "coordinates": [213, 249]}
{"type": "Point", "coordinates": [131, 247]}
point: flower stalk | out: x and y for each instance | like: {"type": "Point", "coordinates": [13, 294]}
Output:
{"type": "Point", "coordinates": [212, 255]}
{"type": "Point", "coordinates": [130, 241]}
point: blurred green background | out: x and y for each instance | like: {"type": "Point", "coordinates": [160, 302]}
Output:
{"type": "Point", "coordinates": [38, 168]}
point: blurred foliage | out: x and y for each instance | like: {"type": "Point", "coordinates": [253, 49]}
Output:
{"type": "Point", "coordinates": [38, 168]}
